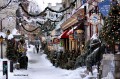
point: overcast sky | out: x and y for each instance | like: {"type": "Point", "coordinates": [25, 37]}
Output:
{"type": "Point", "coordinates": [44, 3]}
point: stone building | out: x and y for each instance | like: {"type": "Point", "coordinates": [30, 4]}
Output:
{"type": "Point", "coordinates": [74, 19]}
{"type": "Point", "coordinates": [78, 22]}
{"type": "Point", "coordinates": [8, 14]}
{"type": "Point", "coordinates": [28, 22]}
{"type": "Point", "coordinates": [7, 19]}
{"type": "Point", "coordinates": [57, 31]}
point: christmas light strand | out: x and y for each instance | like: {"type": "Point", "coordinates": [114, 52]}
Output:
{"type": "Point", "coordinates": [3, 7]}
{"type": "Point", "coordinates": [47, 8]}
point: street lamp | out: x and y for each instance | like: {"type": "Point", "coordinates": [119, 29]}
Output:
{"type": "Point", "coordinates": [1, 39]}
{"type": "Point", "coordinates": [79, 32]}
{"type": "Point", "coordinates": [8, 32]}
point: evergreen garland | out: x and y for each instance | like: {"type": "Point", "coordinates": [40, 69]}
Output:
{"type": "Point", "coordinates": [29, 30]}
{"type": "Point", "coordinates": [3, 7]}
{"type": "Point", "coordinates": [47, 8]}
{"type": "Point", "coordinates": [11, 51]}
{"type": "Point", "coordinates": [43, 13]}
{"type": "Point", "coordinates": [32, 15]}
{"type": "Point", "coordinates": [42, 26]}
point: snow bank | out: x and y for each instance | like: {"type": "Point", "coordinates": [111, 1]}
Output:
{"type": "Point", "coordinates": [40, 67]}
{"type": "Point", "coordinates": [95, 36]}
{"type": "Point", "coordinates": [109, 76]}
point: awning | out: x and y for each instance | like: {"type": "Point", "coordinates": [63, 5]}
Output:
{"type": "Point", "coordinates": [64, 34]}
{"type": "Point", "coordinates": [69, 22]}
{"type": "Point", "coordinates": [71, 30]}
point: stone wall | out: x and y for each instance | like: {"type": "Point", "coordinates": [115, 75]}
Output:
{"type": "Point", "coordinates": [111, 64]}
{"type": "Point", "coordinates": [9, 11]}
{"type": "Point", "coordinates": [117, 66]}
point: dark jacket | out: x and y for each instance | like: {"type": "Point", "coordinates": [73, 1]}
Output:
{"type": "Point", "coordinates": [23, 62]}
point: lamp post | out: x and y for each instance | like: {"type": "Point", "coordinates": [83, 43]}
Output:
{"type": "Point", "coordinates": [79, 32]}
{"type": "Point", "coordinates": [1, 39]}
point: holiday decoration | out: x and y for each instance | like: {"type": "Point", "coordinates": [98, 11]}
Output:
{"type": "Point", "coordinates": [11, 50]}
{"type": "Point", "coordinates": [110, 32]}
{"type": "Point", "coordinates": [72, 4]}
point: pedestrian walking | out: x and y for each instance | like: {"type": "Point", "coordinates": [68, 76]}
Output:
{"type": "Point", "coordinates": [37, 44]}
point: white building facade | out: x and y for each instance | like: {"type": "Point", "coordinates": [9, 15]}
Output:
{"type": "Point", "coordinates": [8, 14]}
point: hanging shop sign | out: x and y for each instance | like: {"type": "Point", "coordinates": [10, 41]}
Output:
{"type": "Point", "coordinates": [104, 7]}
{"type": "Point", "coordinates": [83, 1]}
{"type": "Point", "coordinates": [56, 41]}
{"type": "Point", "coordinates": [71, 37]}
{"type": "Point", "coordinates": [94, 19]}
{"type": "Point", "coordinates": [75, 35]}
{"type": "Point", "coordinates": [50, 44]}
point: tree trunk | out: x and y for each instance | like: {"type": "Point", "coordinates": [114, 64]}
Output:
{"type": "Point", "coordinates": [113, 49]}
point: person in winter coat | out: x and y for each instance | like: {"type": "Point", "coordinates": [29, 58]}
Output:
{"type": "Point", "coordinates": [23, 61]}
{"type": "Point", "coordinates": [37, 42]}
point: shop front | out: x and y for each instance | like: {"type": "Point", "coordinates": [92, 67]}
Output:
{"type": "Point", "coordinates": [73, 25]}
{"type": "Point", "coordinates": [64, 38]}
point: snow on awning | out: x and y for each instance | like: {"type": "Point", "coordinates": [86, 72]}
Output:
{"type": "Point", "coordinates": [71, 30]}
{"type": "Point", "coordinates": [64, 34]}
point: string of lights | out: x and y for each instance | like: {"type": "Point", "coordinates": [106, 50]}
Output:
{"type": "Point", "coordinates": [42, 26]}
{"type": "Point", "coordinates": [30, 30]}
{"type": "Point", "coordinates": [3, 7]}
{"type": "Point", "coordinates": [47, 8]}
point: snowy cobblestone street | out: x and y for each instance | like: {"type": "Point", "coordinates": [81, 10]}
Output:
{"type": "Point", "coordinates": [40, 67]}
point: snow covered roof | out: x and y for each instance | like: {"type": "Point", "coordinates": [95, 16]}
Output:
{"type": "Point", "coordinates": [71, 30]}
{"type": "Point", "coordinates": [2, 34]}
{"type": "Point", "coordinates": [10, 36]}
{"type": "Point", "coordinates": [15, 32]}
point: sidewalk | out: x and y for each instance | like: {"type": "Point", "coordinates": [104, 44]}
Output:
{"type": "Point", "coordinates": [35, 64]}
{"type": "Point", "coordinates": [39, 67]}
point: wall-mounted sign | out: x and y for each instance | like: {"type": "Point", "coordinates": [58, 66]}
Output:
{"type": "Point", "coordinates": [75, 35]}
{"type": "Point", "coordinates": [104, 7]}
{"type": "Point", "coordinates": [94, 19]}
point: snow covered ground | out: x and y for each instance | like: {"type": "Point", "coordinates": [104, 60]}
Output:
{"type": "Point", "coordinates": [39, 67]}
